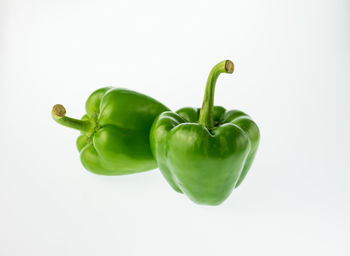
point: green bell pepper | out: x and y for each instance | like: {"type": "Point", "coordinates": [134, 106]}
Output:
{"type": "Point", "coordinates": [114, 136]}
{"type": "Point", "coordinates": [205, 153]}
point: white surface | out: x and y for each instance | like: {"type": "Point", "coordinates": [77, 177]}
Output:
{"type": "Point", "coordinates": [292, 76]}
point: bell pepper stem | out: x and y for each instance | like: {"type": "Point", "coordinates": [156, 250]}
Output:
{"type": "Point", "coordinates": [206, 113]}
{"type": "Point", "coordinates": [59, 115]}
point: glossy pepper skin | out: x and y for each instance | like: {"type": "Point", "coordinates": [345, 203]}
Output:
{"type": "Point", "coordinates": [205, 153]}
{"type": "Point", "coordinates": [115, 130]}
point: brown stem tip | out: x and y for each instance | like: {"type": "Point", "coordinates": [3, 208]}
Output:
{"type": "Point", "coordinates": [229, 67]}
{"type": "Point", "coordinates": [59, 110]}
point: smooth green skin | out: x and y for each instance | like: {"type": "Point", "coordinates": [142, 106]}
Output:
{"type": "Point", "coordinates": [114, 136]}
{"type": "Point", "coordinates": [205, 161]}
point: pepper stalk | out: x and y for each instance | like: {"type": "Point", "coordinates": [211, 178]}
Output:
{"type": "Point", "coordinates": [207, 110]}
{"type": "Point", "coordinates": [59, 115]}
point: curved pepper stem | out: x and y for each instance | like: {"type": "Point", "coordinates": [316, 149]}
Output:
{"type": "Point", "coordinates": [206, 113]}
{"type": "Point", "coordinates": [59, 115]}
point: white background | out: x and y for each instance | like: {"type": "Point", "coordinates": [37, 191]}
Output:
{"type": "Point", "coordinates": [292, 76]}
